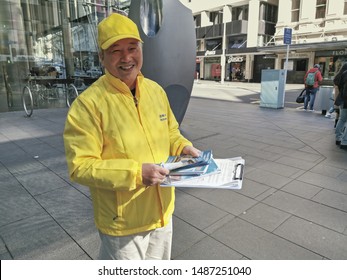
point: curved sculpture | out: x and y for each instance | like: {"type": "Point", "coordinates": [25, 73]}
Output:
{"type": "Point", "coordinates": [168, 32]}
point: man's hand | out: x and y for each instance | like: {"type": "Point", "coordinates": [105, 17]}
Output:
{"type": "Point", "coordinates": [153, 174]}
{"type": "Point", "coordinates": [190, 150]}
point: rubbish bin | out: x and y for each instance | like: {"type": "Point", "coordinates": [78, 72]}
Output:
{"type": "Point", "coordinates": [324, 99]}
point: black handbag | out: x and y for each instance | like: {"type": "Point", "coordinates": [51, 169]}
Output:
{"type": "Point", "coordinates": [301, 97]}
{"type": "Point", "coordinates": [339, 100]}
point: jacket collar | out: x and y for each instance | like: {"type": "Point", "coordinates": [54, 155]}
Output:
{"type": "Point", "coordinates": [118, 84]}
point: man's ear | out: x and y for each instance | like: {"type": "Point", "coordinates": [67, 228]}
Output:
{"type": "Point", "coordinates": [101, 57]}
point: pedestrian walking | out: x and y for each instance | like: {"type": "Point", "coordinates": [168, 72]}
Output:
{"type": "Point", "coordinates": [340, 80]}
{"type": "Point", "coordinates": [313, 78]}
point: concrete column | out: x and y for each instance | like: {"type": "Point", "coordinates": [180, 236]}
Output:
{"type": "Point", "coordinates": [67, 39]}
{"type": "Point", "coordinates": [253, 23]}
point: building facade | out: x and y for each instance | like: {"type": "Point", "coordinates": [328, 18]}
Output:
{"type": "Point", "coordinates": [237, 39]}
{"type": "Point", "coordinates": [39, 35]}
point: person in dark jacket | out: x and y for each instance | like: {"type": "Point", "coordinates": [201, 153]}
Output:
{"type": "Point", "coordinates": [311, 91]}
{"type": "Point", "coordinates": [340, 81]}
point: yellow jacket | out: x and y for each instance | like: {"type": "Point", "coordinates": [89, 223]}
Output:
{"type": "Point", "coordinates": [107, 138]}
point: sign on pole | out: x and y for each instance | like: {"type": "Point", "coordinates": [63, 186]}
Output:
{"type": "Point", "coordinates": [287, 38]}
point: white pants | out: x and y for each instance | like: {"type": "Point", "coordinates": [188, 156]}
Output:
{"type": "Point", "coordinates": [149, 245]}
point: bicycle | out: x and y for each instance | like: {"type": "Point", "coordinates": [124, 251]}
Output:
{"type": "Point", "coordinates": [74, 89]}
{"type": "Point", "coordinates": [71, 94]}
{"type": "Point", "coordinates": [34, 94]}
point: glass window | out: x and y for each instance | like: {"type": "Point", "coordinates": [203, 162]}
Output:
{"type": "Point", "coordinates": [295, 10]}
{"type": "Point", "coordinates": [321, 2]}
{"type": "Point", "coordinates": [320, 8]}
{"type": "Point", "coordinates": [197, 20]}
{"type": "Point", "coordinates": [268, 12]}
{"type": "Point", "coordinates": [295, 4]}
{"type": "Point", "coordinates": [239, 13]}
{"type": "Point", "coordinates": [216, 17]}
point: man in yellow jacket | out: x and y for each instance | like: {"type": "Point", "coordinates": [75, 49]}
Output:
{"type": "Point", "coordinates": [116, 134]}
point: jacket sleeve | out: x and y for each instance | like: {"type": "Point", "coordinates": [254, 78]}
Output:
{"type": "Point", "coordinates": [83, 141]}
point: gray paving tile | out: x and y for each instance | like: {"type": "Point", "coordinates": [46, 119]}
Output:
{"type": "Point", "coordinates": [3, 249]}
{"type": "Point", "coordinates": [266, 194]}
{"type": "Point", "coordinates": [294, 162]}
{"type": "Point", "coordinates": [258, 153]}
{"type": "Point", "coordinates": [209, 249]}
{"type": "Point", "coordinates": [85, 234]}
{"type": "Point", "coordinates": [258, 244]}
{"type": "Point", "coordinates": [39, 149]}
{"type": "Point", "coordinates": [197, 212]}
{"type": "Point", "coordinates": [39, 237]}
{"type": "Point", "coordinates": [327, 170]}
{"type": "Point", "coordinates": [265, 216]}
{"type": "Point", "coordinates": [5, 256]}
{"type": "Point", "coordinates": [309, 210]}
{"type": "Point", "coordinates": [16, 203]}
{"type": "Point", "coordinates": [21, 163]}
{"type": "Point", "coordinates": [184, 236]}
{"type": "Point", "coordinates": [315, 238]}
{"type": "Point", "coordinates": [268, 178]}
{"type": "Point", "coordinates": [67, 206]}
{"type": "Point", "coordinates": [323, 181]}
{"type": "Point", "coordinates": [229, 201]}
{"type": "Point", "coordinates": [56, 163]}
{"type": "Point", "coordinates": [278, 168]}
{"type": "Point", "coordinates": [301, 189]}
{"type": "Point", "coordinates": [332, 199]}
{"type": "Point", "coordinates": [252, 189]}
{"type": "Point", "coordinates": [40, 181]}
{"type": "Point", "coordinates": [213, 227]}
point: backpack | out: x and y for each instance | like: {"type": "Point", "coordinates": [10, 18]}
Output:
{"type": "Point", "coordinates": [310, 79]}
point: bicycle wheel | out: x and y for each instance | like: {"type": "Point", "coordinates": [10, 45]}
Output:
{"type": "Point", "coordinates": [27, 101]}
{"type": "Point", "coordinates": [71, 94]}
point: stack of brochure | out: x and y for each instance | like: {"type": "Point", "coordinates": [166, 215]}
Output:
{"type": "Point", "coordinates": [204, 172]}
{"type": "Point", "coordinates": [189, 165]}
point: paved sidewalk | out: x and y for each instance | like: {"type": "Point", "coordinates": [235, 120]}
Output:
{"type": "Point", "coordinates": [293, 204]}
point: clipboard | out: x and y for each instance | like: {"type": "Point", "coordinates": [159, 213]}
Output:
{"type": "Point", "coordinates": [229, 176]}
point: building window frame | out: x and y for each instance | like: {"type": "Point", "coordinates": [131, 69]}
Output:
{"type": "Point", "coordinates": [321, 6]}
{"type": "Point", "coordinates": [295, 12]}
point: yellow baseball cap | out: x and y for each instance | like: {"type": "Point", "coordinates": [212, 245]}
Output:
{"type": "Point", "coordinates": [114, 28]}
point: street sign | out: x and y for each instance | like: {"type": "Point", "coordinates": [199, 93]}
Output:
{"type": "Point", "coordinates": [287, 38]}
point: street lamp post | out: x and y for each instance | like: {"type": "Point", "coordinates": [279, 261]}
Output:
{"type": "Point", "coordinates": [223, 61]}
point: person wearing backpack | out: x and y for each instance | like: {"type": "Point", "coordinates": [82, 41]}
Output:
{"type": "Point", "coordinates": [313, 78]}
{"type": "Point", "coordinates": [340, 80]}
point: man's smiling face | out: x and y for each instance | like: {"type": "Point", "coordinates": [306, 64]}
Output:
{"type": "Point", "coordinates": [124, 60]}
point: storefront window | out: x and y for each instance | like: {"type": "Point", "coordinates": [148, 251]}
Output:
{"type": "Point", "coordinates": [212, 68]}
{"type": "Point", "coordinates": [46, 39]}
{"type": "Point", "coordinates": [331, 63]}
